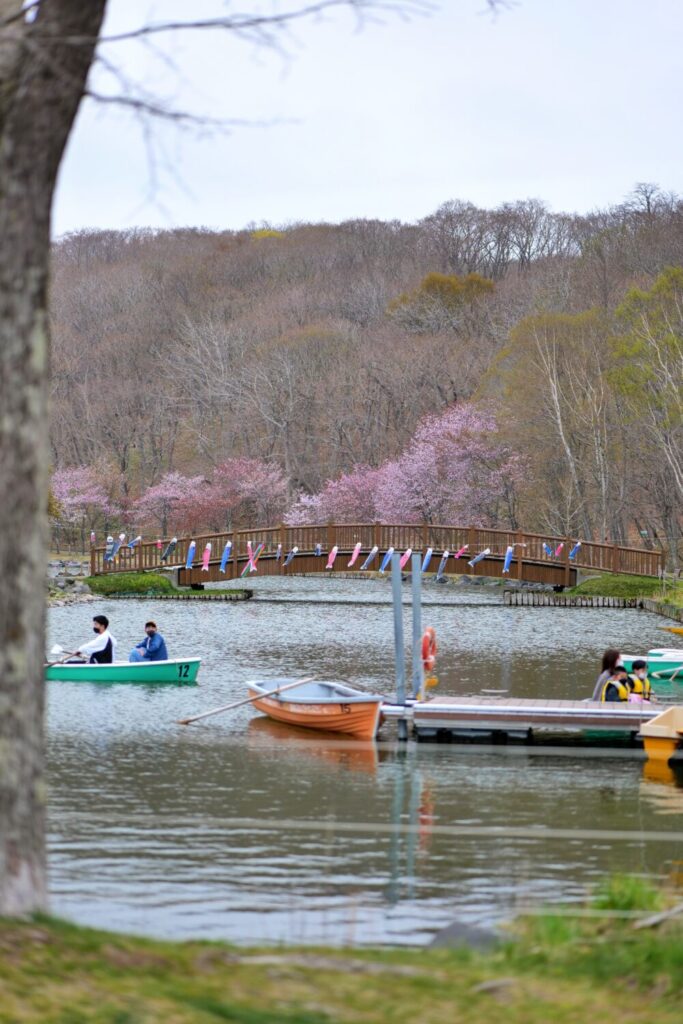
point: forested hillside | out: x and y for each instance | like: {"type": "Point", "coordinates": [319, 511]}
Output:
{"type": "Point", "coordinates": [302, 355]}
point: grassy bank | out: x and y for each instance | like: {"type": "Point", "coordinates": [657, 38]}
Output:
{"type": "Point", "coordinates": [557, 968]}
{"type": "Point", "coordinates": [619, 585]}
{"type": "Point", "coordinates": [130, 583]}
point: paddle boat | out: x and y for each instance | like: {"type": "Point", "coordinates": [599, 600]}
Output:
{"type": "Point", "coordinates": [178, 671]}
{"type": "Point", "coordinates": [331, 706]}
{"type": "Point", "coordinates": [662, 663]}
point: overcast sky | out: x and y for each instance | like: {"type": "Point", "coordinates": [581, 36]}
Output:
{"type": "Point", "coordinates": [570, 101]}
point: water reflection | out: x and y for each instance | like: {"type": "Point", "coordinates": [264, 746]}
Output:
{"type": "Point", "coordinates": [296, 743]}
{"type": "Point", "coordinates": [240, 827]}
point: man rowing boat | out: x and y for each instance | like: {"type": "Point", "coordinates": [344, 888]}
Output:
{"type": "Point", "coordinates": [101, 650]}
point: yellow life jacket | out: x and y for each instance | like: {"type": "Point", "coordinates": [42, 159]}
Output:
{"type": "Point", "coordinates": [641, 686]}
{"type": "Point", "coordinates": [621, 689]}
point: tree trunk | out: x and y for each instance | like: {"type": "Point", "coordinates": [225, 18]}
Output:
{"type": "Point", "coordinates": [42, 77]}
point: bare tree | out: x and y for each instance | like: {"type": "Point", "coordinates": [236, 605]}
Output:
{"type": "Point", "coordinates": [46, 51]}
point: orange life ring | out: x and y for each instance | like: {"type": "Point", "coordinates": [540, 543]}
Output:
{"type": "Point", "coordinates": [428, 649]}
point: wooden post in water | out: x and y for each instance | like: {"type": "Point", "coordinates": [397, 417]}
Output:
{"type": "Point", "coordinates": [399, 650]}
{"type": "Point", "coordinates": [416, 585]}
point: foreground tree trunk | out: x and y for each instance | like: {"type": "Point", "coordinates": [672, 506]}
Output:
{"type": "Point", "coordinates": [42, 76]}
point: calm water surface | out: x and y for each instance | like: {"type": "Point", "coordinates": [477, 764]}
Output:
{"type": "Point", "coordinates": [244, 829]}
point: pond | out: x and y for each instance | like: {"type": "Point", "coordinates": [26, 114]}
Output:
{"type": "Point", "coordinates": [244, 829]}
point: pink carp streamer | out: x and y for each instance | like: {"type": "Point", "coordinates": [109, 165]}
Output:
{"type": "Point", "coordinates": [354, 556]}
{"type": "Point", "coordinates": [405, 556]}
{"type": "Point", "coordinates": [331, 557]}
{"type": "Point", "coordinates": [206, 557]}
{"type": "Point", "coordinates": [253, 557]}
{"type": "Point", "coordinates": [461, 552]}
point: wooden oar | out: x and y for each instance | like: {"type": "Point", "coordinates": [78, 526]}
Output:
{"type": "Point", "coordinates": [247, 700]}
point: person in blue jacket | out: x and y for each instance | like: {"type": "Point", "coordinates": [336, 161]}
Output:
{"type": "Point", "coordinates": [152, 648]}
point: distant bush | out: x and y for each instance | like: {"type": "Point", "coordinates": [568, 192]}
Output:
{"type": "Point", "coordinates": [130, 583]}
{"type": "Point", "coordinates": [267, 233]}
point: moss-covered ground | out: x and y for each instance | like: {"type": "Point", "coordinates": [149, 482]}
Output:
{"type": "Point", "coordinates": [620, 585]}
{"type": "Point", "coordinates": [553, 968]}
{"type": "Point", "coordinates": [130, 583]}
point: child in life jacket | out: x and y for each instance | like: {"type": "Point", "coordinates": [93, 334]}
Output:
{"type": "Point", "coordinates": [616, 688]}
{"type": "Point", "coordinates": [638, 682]}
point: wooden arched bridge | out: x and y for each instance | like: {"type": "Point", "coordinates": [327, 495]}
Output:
{"type": "Point", "coordinates": [536, 557]}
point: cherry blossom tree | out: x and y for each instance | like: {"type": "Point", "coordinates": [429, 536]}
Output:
{"type": "Point", "coordinates": [82, 503]}
{"type": "Point", "coordinates": [160, 503]}
{"type": "Point", "coordinates": [454, 470]}
{"type": "Point", "coordinates": [349, 499]}
{"type": "Point", "coordinates": [243, 490]}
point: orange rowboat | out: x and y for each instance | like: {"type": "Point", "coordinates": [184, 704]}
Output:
{"type": "Point", "coordinates": [331, 706]}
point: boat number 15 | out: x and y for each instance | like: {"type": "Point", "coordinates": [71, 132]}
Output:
{"type": "Point", "coordinates": [183, 671]}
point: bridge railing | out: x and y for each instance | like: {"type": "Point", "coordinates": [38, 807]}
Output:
{"type": "Point", "coordinates": [529, 547]}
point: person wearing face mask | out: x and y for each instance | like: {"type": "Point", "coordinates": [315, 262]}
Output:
{"type": "Point", "coordinates": [152, 648]}
{"type": "Point", "coordinates": [616, 687]}
{"type": "Point", "coordinates": [638, 681]}
{"type": "Point", "coordinates": [101, 650]}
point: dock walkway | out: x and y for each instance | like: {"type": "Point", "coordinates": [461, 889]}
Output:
{"type": "Point", "coordinates": [518, 717]}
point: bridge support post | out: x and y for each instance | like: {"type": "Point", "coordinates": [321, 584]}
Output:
{"type": "Point", "coordinates": [283, 542]}
{"type": "Point", "coordinates": [616, 561]}
{"type": "Point", "coordinates": [567, 549]}
{"type": "Point", "coordinates": [472, 543]}
{"type": "Point", "coordinates": [520, 555]}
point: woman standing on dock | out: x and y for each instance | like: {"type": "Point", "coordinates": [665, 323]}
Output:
{"type": "Point", "coordinates": [610, 660]}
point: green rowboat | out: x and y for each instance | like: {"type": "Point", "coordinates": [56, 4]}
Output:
{"type": "Point", "coordinates": [177, 671]}
{"type": "Point", "coordinates": [662, 663]}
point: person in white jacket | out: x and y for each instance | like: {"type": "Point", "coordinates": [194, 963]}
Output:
{"type": "Point", "coordinates": [101, 650]}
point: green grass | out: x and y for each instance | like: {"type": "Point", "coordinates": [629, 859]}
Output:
{"type": "Point", "coordinates": [618, 585]}
{"type": "Point", "coordinates": [552, 967]}
{"type": "Point", "coordinates": [130, 583]}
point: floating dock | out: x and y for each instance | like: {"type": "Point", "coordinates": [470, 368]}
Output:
{"type": "Point", "coordinates": [520, 718]}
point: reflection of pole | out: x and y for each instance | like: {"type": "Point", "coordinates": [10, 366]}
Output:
{"type": "Point", "coordinates": [411, 842]}
{"type": "Point", "coordinates": [399, 651]}
{"type": "Point", "coordinates": [393, 889]}
{"type": "Point", "coordinates": [417, 624]}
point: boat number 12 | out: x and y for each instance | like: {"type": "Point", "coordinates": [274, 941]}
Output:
{"type": "Point", "coordinates": [183, 671]}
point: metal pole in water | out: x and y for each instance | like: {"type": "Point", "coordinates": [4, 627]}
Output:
{"type": "Point", "coordinates": [399, 651]}
{"type": "Point", "coordinates": [416, 565]}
